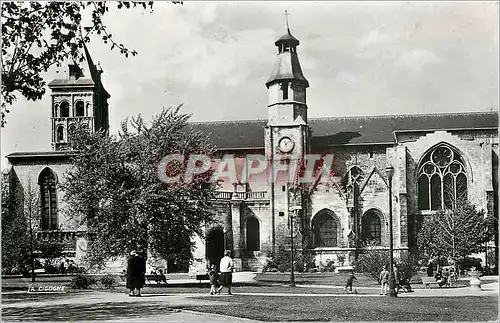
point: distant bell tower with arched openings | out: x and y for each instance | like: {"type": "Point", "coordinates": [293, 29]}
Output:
{"type": "Point", "coordinates": [78, 97]}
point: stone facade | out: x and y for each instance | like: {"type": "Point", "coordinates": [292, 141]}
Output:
{"type": "Point", "coordinates": [339, 212]}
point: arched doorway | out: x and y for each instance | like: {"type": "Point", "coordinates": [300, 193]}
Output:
{"type": "Point", "coordinates": [253, 234]}
{"type": "Point", "coordinates": [214, 246]}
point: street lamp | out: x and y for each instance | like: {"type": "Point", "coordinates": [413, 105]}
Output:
{"type": "Point", "coordinates": [292, 212]}
{"type": "Point", "coordinates": [392, 280]}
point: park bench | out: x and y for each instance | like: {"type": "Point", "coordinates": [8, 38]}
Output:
{"type": "Point", "coordinates": [200, 277]}
{"type": "Point", "coordinates": [431, 281]}
{"type": "Point", "coordinates": [154, 279]}
{"type": "Point", "coordinates": [149, 279]}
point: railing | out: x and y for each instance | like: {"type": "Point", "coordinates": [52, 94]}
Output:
{"type": "Point", "coordinates": [259, 195]}
{"type": "Point", "coordinates": [224, 195]}
{"type": "Point", "coordinates": [56, 235]}
{"type": "Point", "coordinates": [69, 119]}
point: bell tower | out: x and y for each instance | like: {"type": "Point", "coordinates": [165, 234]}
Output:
{"type": "Point", "coordinates": [287, 132]}
{"type": "Point", "coordinates": [78, 97]}
{"type": "Point", "coordinates": [287, 84]}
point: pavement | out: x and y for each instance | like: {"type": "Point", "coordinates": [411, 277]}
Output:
{"type": "Point", "coordinates": [100, 305]}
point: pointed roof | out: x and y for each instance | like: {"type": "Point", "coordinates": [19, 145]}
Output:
{"type": "Point", "coordinates": [287, 66]}
{"type": "Point", "coordinates": [288, 39]}
{"type": "Point", "coordinates": [88, 75]}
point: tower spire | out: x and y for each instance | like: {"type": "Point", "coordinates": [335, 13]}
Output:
{"type": "Point", "coordinates": [286, 20]}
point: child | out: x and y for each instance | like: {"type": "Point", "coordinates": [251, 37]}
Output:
{"type": "Point", "coordinates": [350, 278]}
{"type": "Point", "coordinates": [384, 281]}
{"type": "Point", "coordinates": [212, 274]}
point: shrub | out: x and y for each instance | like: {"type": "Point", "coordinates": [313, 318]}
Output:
{"type": "Point", "coordinates": [282, 258]}
{"type": "Point", "coordinates": [371, 261]}
{"type": "Point", "coordinates": [51, 269]}
{"type": "Point", "coordinates": [407, 266]}
{"type": "Point", "coordinates": [299, 263]}
{"type": "Point", "coordinates": [82, 281]}
{"type": "Point", "coordinates": [330, 266]}
{"type": "Point", "coordinates": [108, 281]}
{"type": "Point", "coordinates": [469, 262]}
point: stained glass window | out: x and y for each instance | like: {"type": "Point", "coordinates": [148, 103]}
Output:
{"type": "Point", "coordinates": [442, 179]}
{"type": "Point", "coordinates": [47, 182]}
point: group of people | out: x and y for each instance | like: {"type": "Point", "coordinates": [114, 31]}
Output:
{"type": "Point", "coordinates": [400, 284]}
{"type": "Point", "coordinates": [136, 273]}
{"type": "Point", "coordinates": [136, 270]}
{"type": "Point", "coordinates": [445, 278]}
{"type": "Point", "coordinates": [223, 276]}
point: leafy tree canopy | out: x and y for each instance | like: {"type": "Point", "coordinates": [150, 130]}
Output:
{"type": "Point", "coordinates": [38, 35]}
{"type": "Point", "coordinates": [115, 190]}
{"type": "Point", "coordinates": [455, 233]}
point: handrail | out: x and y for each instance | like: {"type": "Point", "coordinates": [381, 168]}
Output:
{"type": "Point", "coordinates": [225, 195]}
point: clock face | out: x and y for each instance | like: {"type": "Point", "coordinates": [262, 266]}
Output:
{"type": "Point", "coordinates": [286, 144]}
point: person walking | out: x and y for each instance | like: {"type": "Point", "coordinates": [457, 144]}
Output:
{"type": "Point", "coordinates": [350, 279]}
{"type": "Point", "coordinates": [396, 278]}
{"type": "Point", "coordinates": [430, 270]}
{"type": "Point", "coordinates": [212, 275]}
{"type": "Point", "coordinates": [226, 270]}
{"type": "Point", "coordinates": [384, 281]}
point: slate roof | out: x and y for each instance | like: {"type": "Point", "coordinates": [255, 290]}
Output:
{"type": "Point", "coordinates": [287, 67]}
{"type": "Point", "coordinates": [72, 82]}
{"type": "Point", "coordinates": [334, 131]}
{"type": "Point", "coordinates": [288, 38]}
{"type": "Point", "coordinates": [39, 155]}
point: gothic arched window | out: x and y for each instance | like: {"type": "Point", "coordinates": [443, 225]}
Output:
{"type": "Point", "coordinates": [60, 134]}
{"type": "Point", "coordinates": [442, 179]}
{"type": "Point", "coordinates": [371, 227]}
{"type": "Point", "coordinates": [353, 178]}
{"type": "Point", "coordinates": [80, 109]}
{"type": "Point", "coordinates": [48, 197]}
{"type": "Point", "coordinates": [352, 182]}
{"type": "Point", "coordinates": [253, 234]}
{"type": "Point", "coordinates": [325, 229]}
{"type": "Point", "coordinates": [64, 108]}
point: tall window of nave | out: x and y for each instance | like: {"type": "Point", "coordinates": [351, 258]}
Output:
{"type": "Point", "coordinates": [442, 179]}
{"type": "Point", "coordinates": [325, 228]}
{"type": "Point", "coordinates": [48, 197]}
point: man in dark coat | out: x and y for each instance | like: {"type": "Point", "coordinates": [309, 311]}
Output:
{"type": "Point", "coordinates": [136, 271]}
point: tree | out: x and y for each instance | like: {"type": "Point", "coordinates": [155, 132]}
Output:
{"type": "Point", "coordinates": [455, 233]}
{"type": "Point", "coordinates": [114, 188]}
{"type": "Point", "coordinates": [38, 35]}
{"type": "Point", "coordinates": [371, 261]}
{"type": "Point", "coordinates": [20, 223]}
{"type": "Point", "coordinates": [15, 239]}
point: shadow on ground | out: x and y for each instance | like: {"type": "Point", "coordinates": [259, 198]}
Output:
{"type": "Point", "coordinates": [95, 311]}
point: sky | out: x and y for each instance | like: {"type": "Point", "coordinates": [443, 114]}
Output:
{"type": "Point", "coordinates": [361, 58]}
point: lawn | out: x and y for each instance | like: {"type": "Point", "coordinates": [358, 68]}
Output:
{"type": "Point", "coordinates": [325, 278]}
{"type": "Point", "coordinates": [356, 308]}
{"type": "Point", "coordinates": [333, 279]}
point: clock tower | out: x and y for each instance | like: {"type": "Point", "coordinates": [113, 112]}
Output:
{"type": "Point", "coordinates": [287, 132]}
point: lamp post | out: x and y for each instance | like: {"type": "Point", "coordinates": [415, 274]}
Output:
{"type": "Point", "coordinates": [292, 209]}
{"type": "Point", "coordinates": [392, 280]}
{"type": "Point", "coordinates": [292, 273]}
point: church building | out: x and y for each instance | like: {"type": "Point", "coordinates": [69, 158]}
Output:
{"type": "Point", "coordinates": [433, 159]}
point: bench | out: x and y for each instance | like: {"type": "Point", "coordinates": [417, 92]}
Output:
{"type": "Point", "coordinates": [155, 279]}
{"type": "Point", "coordinates": [200, 277]}
{"type": "Point", "coordinates": [430, 281]}
{"type": "Point", "coordinates": [148, 278]}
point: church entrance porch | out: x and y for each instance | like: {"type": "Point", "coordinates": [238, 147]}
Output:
{"type": "Point", "coordinates": [214, 247]}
